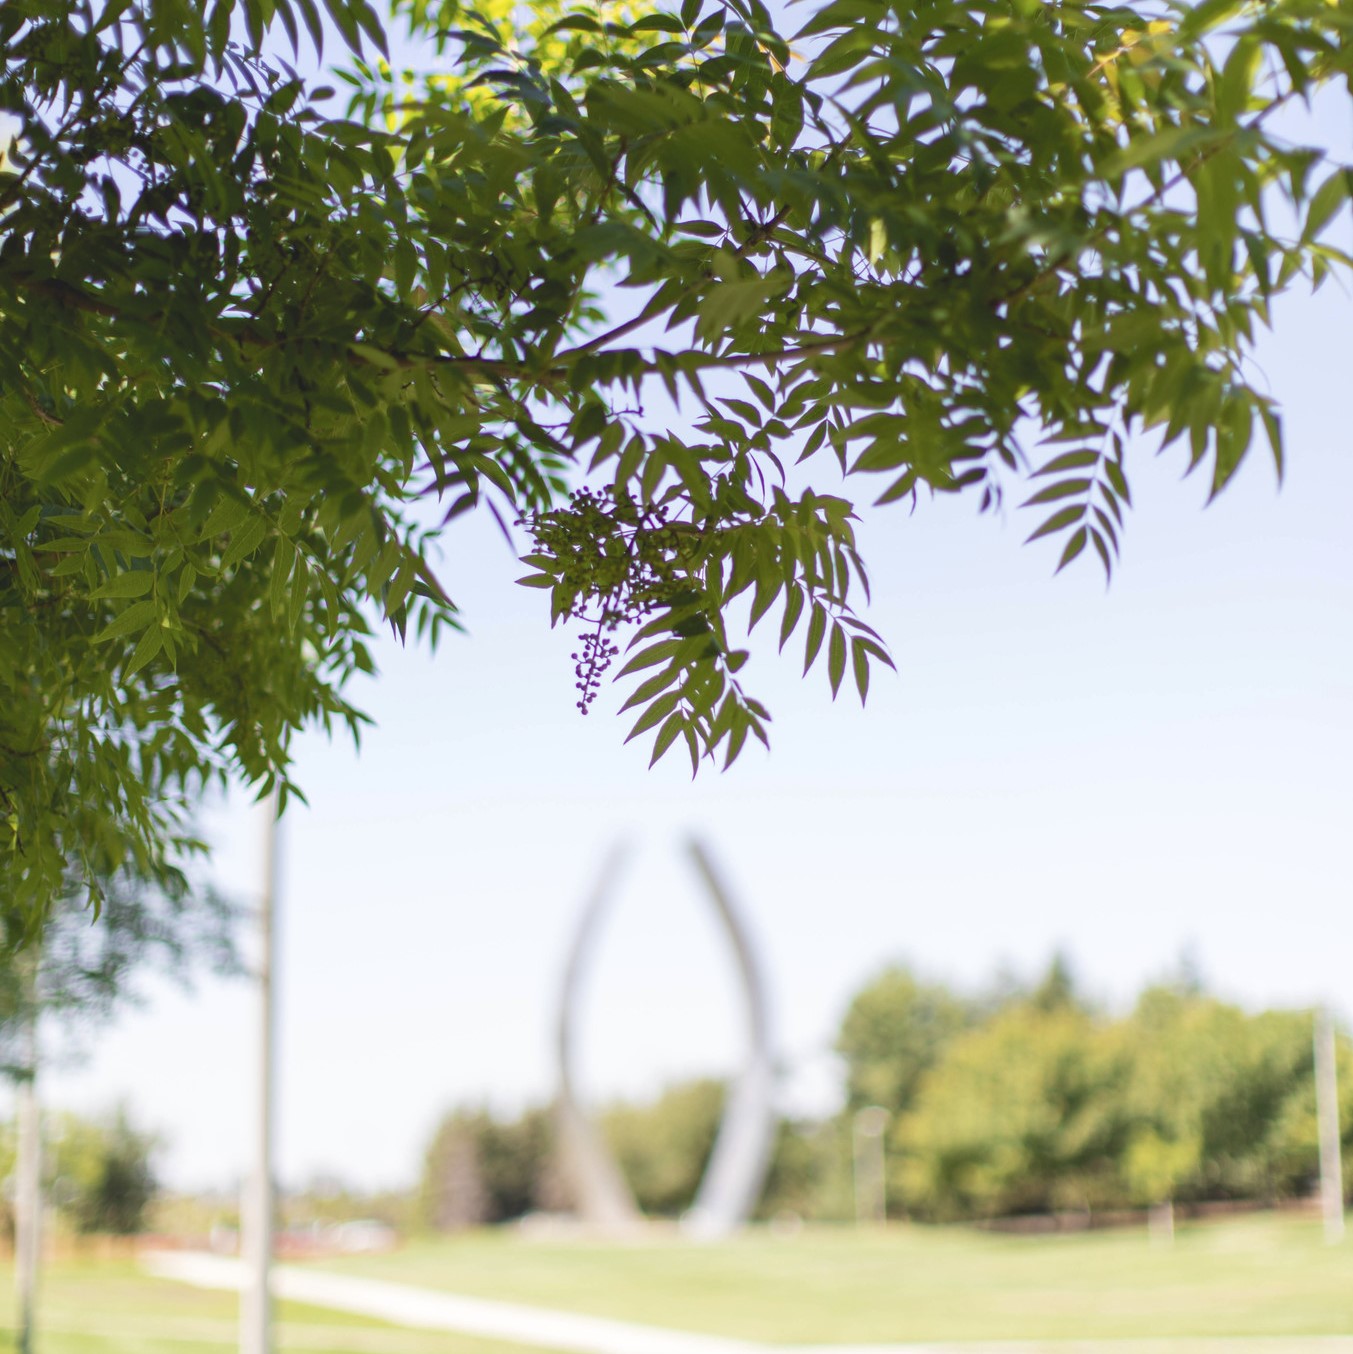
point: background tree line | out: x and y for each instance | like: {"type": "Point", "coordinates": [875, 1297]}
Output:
{"type": "Point", "coordinates": [1023, 1099]}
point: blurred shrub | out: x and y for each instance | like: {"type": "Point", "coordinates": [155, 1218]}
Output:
{"type": "Point", "coordinates": [100, 1174]}
{"type": "Point", "coordinates": [478, 1169]}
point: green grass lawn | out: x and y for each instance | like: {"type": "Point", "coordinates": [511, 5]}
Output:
{"type": "Point", "coordinates": [1257, 1276]}
{"type": "Point", "coordinates": [108, 1307]}
{"type": "Point", "coordinates": [1260, 1275]}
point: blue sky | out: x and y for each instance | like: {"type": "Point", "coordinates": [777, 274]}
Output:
{"type": "Point", "coordinates": [1120, 773]}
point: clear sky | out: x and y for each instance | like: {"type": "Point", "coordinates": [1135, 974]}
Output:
{"type": "Point", "coordinates": [1121, 773]}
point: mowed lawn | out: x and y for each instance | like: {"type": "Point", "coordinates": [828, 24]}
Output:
{"type": "Point", "coordinates": [1264, 1274]}
{"type": "Point", "coordinates": [1259, 1276]}
{"type": "Point", "coordinates": [109, 1307]}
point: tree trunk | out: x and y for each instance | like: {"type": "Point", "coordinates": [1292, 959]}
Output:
{"type": "Point", "coordinates": [28, 1186]}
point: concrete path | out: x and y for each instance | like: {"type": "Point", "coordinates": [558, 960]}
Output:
{"type": "Point", "coordinates": [428, 1309]}
{"type": "Point", "coordinates": [572, 1333]}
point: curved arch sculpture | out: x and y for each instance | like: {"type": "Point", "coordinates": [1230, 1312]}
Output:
{"type": "Point", "coordinates": [741, 1156]}
{"type": "Point", "coordinates": [601, 1196]}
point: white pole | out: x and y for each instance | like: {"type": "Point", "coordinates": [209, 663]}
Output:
{"type": "Point", "coordinates": [1327, 1116]}
{"type": "Point", "coordinates": [28, 1186]}
{"type": "Point", "coordinates": [867, 1128]}
{"type": "Point", "coordinates": [258, 1211]}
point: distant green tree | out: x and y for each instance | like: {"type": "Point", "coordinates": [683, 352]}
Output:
{"type": "Point", "coordinates": [894, 1031]}
{"type": "Point", "coordinates": [452, 1194]}
{"type": "Point", "coordinates": [1022, 1115]}
{"type": "Point", "coordinates": [663, 1146]}
{"type": "Point", "coordinates": [514, 1155]}
{"type": "Point", "coordinates": [479, 1169]}
{"type": "Point", "coordinates": [1223, 1102]}
{"type": "Point", "coordinates": [1057, 990]}
{"type": "Point", "coordinates": [102, 1176]}
{"type": "Point", "coordinates": [810, 1172]}
{"type": "Point", "coordinates": [1045, 1106]}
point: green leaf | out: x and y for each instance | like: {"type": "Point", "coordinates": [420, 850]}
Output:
{"type": "Point", "coordinates": [147, 647]}
{"type": "Point", "coordinates": [693, 747]}
{"type": "Point", "coordinates": [658, 23]}
{"type": "Point", "coordinates": [1325, 202]}
{"type": "Point", "coordinates": [666, 737]}
{"type": "Point", "coordinates": [228, 514]}
{"type": "Point", "coordinates": [1118, 480]}
{"type": "Point", "coordinates": [1065, 489]}
{"type": "Point", "coordinates": [1237, 77]}
{"type": "Point", "coordinates": [793, 610]}
{"type": "Point", "coordinates": [836, 658]}
{"type": "Point", "coordinates": [283, 561]}
{"type": "Point", "coordinates": [1102, 550]}
{"type": "Point", "coordinates": [1273, 428]}
{"type": "Point", "coordinates": [657, 711]}
{"type": "Point", "coordinates": [1175, 143]}
{"type": "Point", "coordinates": [133, 583]}
{"type": "Point", "coordinates": [859, 657]}
{"type": "Point", "coordinates": [737, 736]}
{"type": "Point", "coordinates": [1059, 521]}
{"type": "Point", "coordinates": [135, 617]}
{"type": "Point", "coordinates": [817, 628]}
{"type": "Point", "coordinates": [655, 653]}
{"type": "Point", "coordinates": [1074, 546]}
{"type": "Point", "coordinates": [650, 687]}
{"type": "Point", "coordinates": [1069, 460]}
{"type": "Point", "coordinates": [244, 542]}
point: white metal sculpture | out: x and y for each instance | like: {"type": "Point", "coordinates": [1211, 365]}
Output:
{"type": "Point", "coordinates": [600, 1194]}
{"type": "Point", "coordinates": [737, 1166]}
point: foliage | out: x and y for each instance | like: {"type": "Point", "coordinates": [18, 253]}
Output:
{"type": "Point", "coordinates": [480, 1169]}
{"type": "Point", "coordinates": [810, 1173]}
{"type": "Point", "coordinates": [77, 973]}
{"type": "Point", "coordinates": [243, 332]}
{"type": "Point", "coordinates": [451, 1193]}
{"type": "Point", "coordinates": [513, 1158]}
{"type": "Point", "coordinates": [1046, 1106]}
{"type": "Point", "coordinates": [1057, 990]}
{"type": "Point", "coordinates": [1026, 1099]}
{"type": "Point", "coordinates": [100, 1173]}
{"type": "Point", "coordinates": [893, 1033]}
{"type": "Point", "coordinates": [662, 1146]}
{"type": "Point", "coordinates": [1023, 1115]}
{"type": "Point", "coordinates": [1224, 1103]}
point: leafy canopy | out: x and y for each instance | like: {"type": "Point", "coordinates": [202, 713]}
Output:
{"type": "Point", "coordinates": [940, 246]}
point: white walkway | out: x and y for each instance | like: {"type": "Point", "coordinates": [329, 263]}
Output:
{"type": "Point", "coordinates": [571, 1333]}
